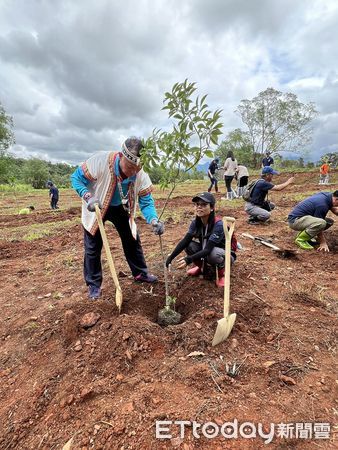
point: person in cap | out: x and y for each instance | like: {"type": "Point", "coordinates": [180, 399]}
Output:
{"type": "Point", "coordinates": [259, 207]}
{"type": "Point", "coordinates": [204, 240]}
{"type": "Point", "coordinates": [267, 160]}
{"type": "Point", "coordinates": [309, 218]}
{"type": "Point", "coordinates": [116, 182]}
{"type": "Point", "coordinates": [53, 195]}
{"type": "Point", "coordinates": [212, 170]}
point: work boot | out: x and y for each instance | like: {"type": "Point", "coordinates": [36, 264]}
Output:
{"type": "Point", "coordinates": [220, 282]}
{"type": "Point", "coordinates": [195, 270]}
{"type": "Point", "coordinates": [302, 240]}
{"type": "Point", "coordinates": [94, 292]}
{"type": "Point", "coordinates": [253, 220]}
{"type": "Point", "coordinates": [216, 189]}
{"type": "Point", "coordinates": [145, 278]}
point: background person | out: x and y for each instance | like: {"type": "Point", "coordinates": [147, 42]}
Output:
{"type": "Point", "coordinates": [242, 175]}
{"type": "Point", "coordinates": [309, 218]}
{"type": "Point", "coordinates": [259, 208]}
{"type": "Point", "coordinates": [115, 181]}
{"type": "Point", "coordinates": [324, 173]}
{"type": "Point", "coordinates": [205, 240]}
{"type": "Point", "coordinates": [53, 195]}
{"type": "Point", "coordinates": [230, 167]}
{"type": "Point", "coordinates": [267, 160]}
{"type": "Point", "coordinates": [213, 168]}
{"type": "Point", "coordinates": [27, 210]}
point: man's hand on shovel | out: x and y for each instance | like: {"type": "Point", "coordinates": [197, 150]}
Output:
{"type": "Point", "coordinates": [91, 202]}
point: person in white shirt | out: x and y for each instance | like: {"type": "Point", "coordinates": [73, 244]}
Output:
{"type": "Point", "coordinates": [242, 176]}
{"type": "Point", "coordinates": [230, 167]}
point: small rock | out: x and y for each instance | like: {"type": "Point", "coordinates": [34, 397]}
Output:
{"type": "Point", "coordinates": [242, 327]}
{"type": "Point", "coordinates": [119, 377]}
{"type": "Point", "coordinates": [77, 346]}
{"type": "Point", "coordinates": [198, 325]}
{"type": "Point", "coordinates": [271, 337]}
{"type": "Point", "coordinates": [252, 395]}
{"type": "Point", "coordinates": [287, 380]}
{"type": "Point", "coordinates": [255, 330]}
{"type": "Point", "coordinates": [89, 319]}
{"type": "Point", "coordinates": [234, 343]}
{"type": "Point", "coordinates": [317, 348]}
{"type": "Point", "coordinates": [176, 442]}
{"type": "Point", "coordinates": [128, 355]}
{"type": "Point", "coordinates": [209, 314]}
{"type": "Point", "coordinates": [127, 408]}
{"type": "Point", "coordinates": [125, 336]}
{"type": "Point", "coordinates": [86, 393]}
{"type": "Point", "coordinates": [70, 399]}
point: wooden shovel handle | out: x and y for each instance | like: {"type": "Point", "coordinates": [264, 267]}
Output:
{"type": "Point", "coordinates": [227, 261]}
{"type": "Point", "coordinates": [107, 248]}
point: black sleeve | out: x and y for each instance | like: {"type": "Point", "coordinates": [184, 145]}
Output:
{"type": "Point", "coordinates": [179, 247]}
{"type": "Point", "coordinates": [201, 254]}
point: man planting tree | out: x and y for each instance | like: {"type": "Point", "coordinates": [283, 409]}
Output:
{"type": "Point", "coordinates": [309, 218]}
{"type": "Point", "coordinates": [115, 181]}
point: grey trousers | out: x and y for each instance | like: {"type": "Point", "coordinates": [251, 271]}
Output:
{"type": "Point", "coordinates": [259, 213]}
{"type": "Point", "coordinates": [311, 225]}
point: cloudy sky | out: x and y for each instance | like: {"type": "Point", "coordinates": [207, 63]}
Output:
{"type": "Point", "coordinates": [79, 77]}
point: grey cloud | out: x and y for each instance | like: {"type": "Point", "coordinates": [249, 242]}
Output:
{"type": "Point", "coordinates": [81, 77]}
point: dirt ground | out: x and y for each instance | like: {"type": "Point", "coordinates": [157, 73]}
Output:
{"type": "Point", "coordinates": [106, 385]}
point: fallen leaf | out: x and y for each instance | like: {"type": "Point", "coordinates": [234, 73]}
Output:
{"type": "Point", "coordinates": [269, 363]}
{"type": "Point", "coordinates": [196, 354]}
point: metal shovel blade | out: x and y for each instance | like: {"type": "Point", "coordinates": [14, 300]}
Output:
{"type": "Point", "coordinates": [118, 299]}
{"type": "Point", "coordinates": [224, 327]}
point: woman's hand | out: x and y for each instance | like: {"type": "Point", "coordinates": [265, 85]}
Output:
{"type": "Point", "coordinates": [181, 263]}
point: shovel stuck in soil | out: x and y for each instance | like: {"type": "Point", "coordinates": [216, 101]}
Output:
{"type": "Point", "coordinates": [224, 325]}
{"type": "Point", "coordinates": [284, 253]}
{"type": "Point", "coordinates": [118, 294]}
{"type": "Point", "coordinates": [167, 315]}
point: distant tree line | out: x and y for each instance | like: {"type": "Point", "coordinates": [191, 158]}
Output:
{"type": "Point", "coordinates": [34, 171]}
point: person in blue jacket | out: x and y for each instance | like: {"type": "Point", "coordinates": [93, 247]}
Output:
{"type": "Point", "coordinates": [205, 240]}
{"type": "Point", "coordinates": [309, 218]}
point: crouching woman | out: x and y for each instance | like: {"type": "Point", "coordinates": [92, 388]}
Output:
{"type": "Point", "coordinates": [204, 241]}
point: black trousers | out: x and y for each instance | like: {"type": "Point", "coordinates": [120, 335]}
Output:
{"type": "Point", "coordinates": [54, 202]}
{"type": "Point", "coordinates": [243, 181]}
{"type": "Point", "coordinates": [93, 246]}
{"type": "Point", "coordinates": [228, 180]}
